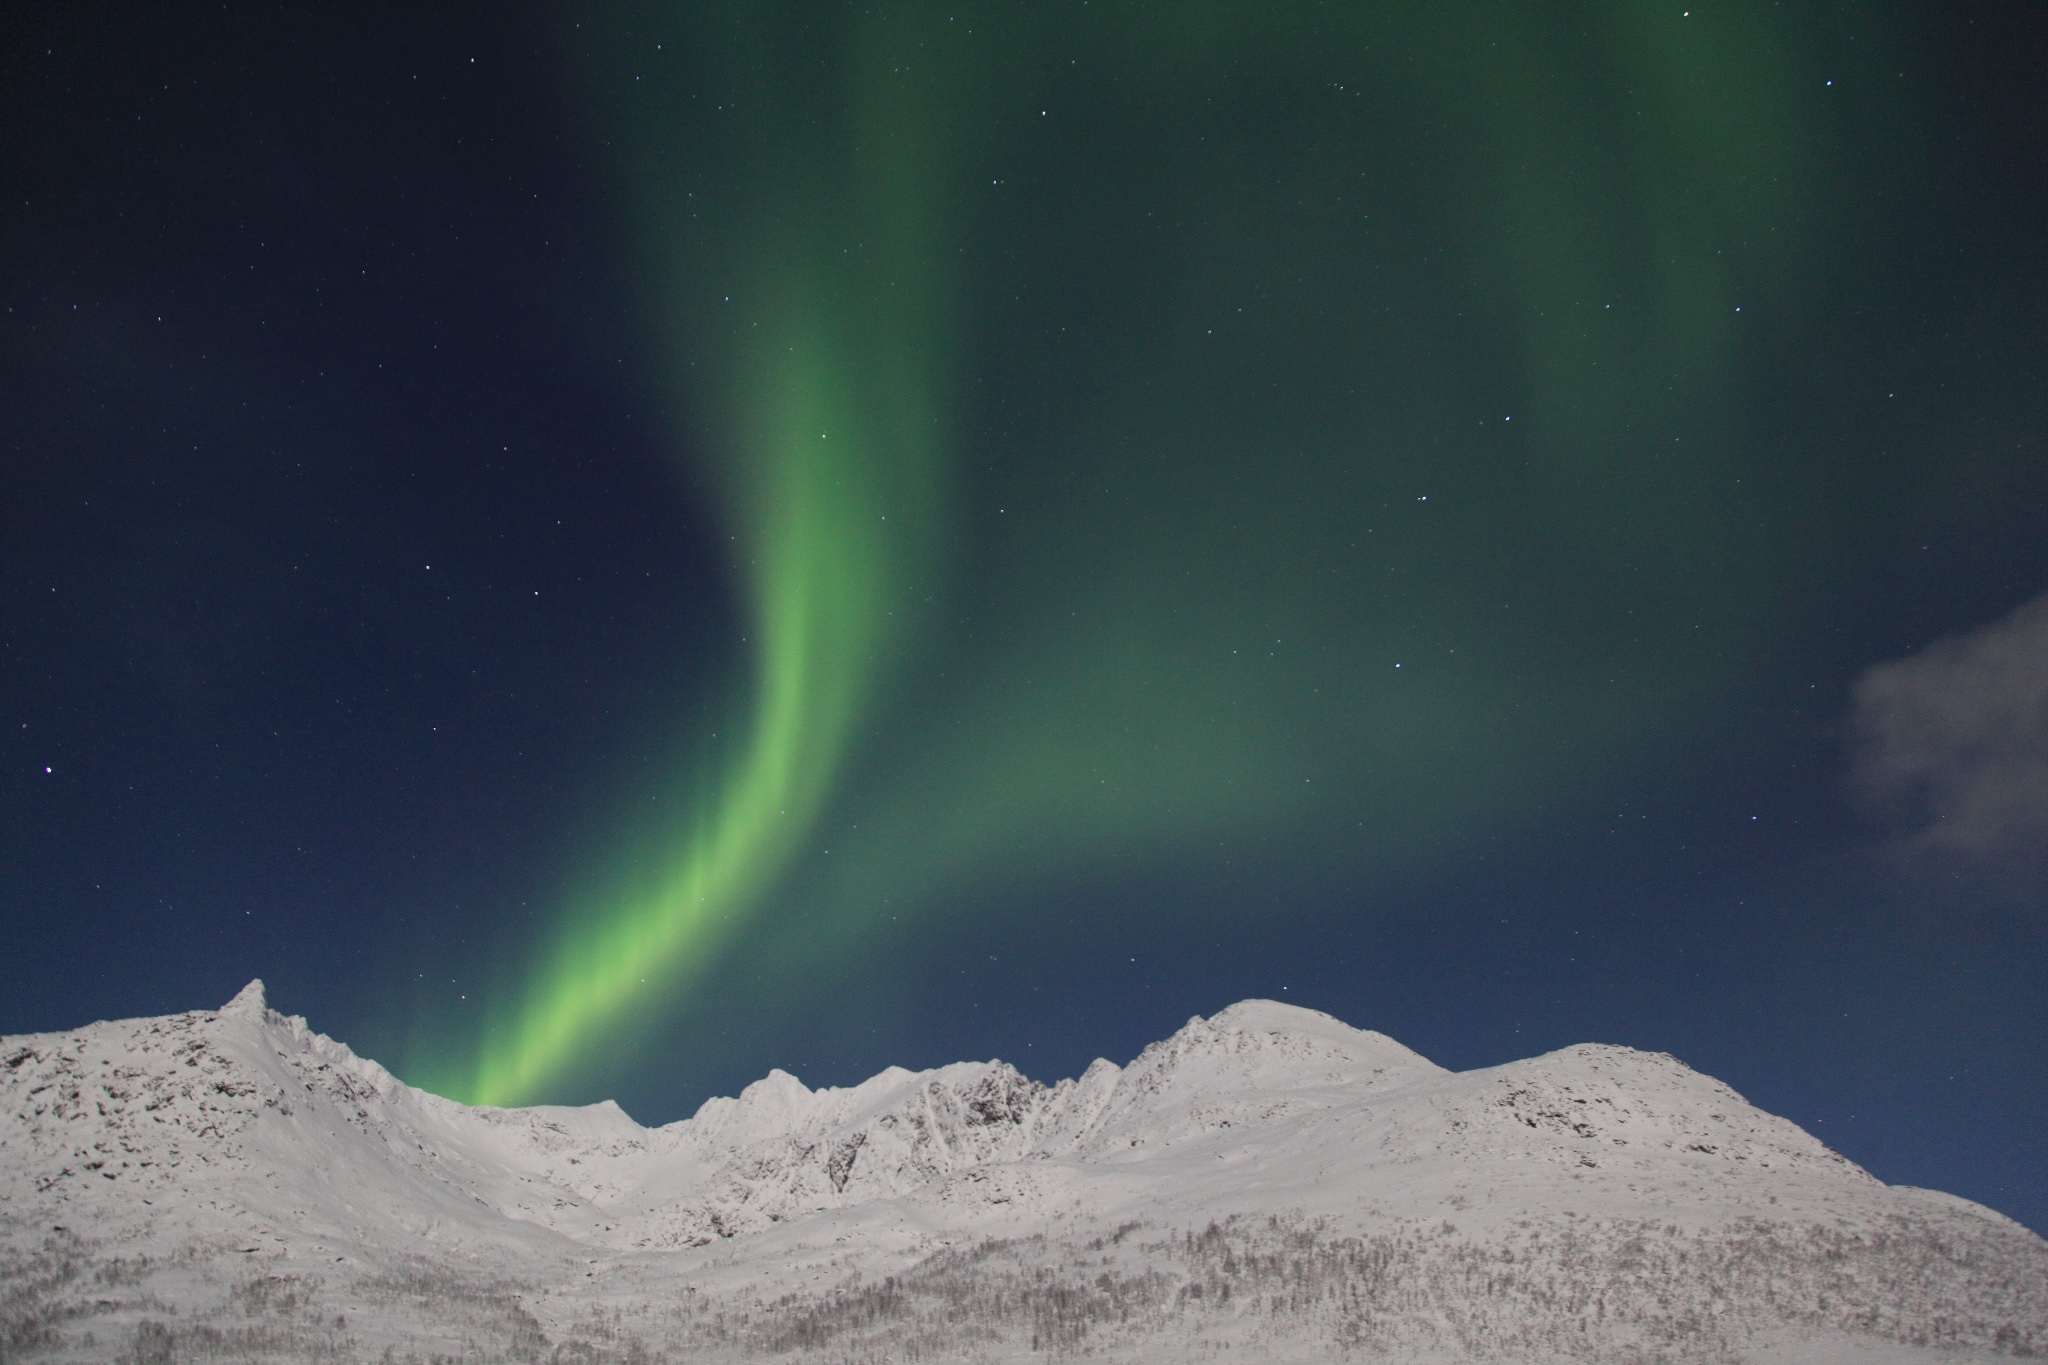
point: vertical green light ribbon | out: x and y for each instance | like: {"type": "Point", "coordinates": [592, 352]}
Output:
{"type": "Point", "coordinates": [806, 324]}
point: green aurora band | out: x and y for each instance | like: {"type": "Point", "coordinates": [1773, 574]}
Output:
{"type": "Point", "coordinates": [1180, 344]}
{"type": "Point", "coordinates": [807, 321]}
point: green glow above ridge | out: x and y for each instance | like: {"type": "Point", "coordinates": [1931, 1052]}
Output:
{"type": "Point", "coordinates": [825, 560]}
{"type": "Point", "coordinates": [1173, 351]}
{"type": "Point", "coordinates": [804, 341]}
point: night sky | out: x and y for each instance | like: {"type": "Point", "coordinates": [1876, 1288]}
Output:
{"type": "Point", "coordinates": [600, 549]}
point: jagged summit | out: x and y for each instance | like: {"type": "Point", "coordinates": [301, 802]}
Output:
{"type": "Point", "coordinates": [248, 1002]}
{"type": "Point", "coordinates": [1265, 1132]}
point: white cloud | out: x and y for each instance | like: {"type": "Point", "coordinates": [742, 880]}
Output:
{"type": "Point", "coordinates": [1954, 740]}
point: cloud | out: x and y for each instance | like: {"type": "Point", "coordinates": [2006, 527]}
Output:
{"type": "Point", "coordinates": [1953, 743]}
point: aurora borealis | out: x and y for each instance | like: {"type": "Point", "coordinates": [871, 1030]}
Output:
{"type": "Point", "coordinates": [627, 544]}
{"type": "Point", "coordinates": [822, 391]}
{"type": "Point", "coordinates": [815, 231]}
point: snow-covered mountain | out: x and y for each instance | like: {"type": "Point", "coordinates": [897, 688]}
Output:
{"type": "Point", "coordinates": [231, 1185]}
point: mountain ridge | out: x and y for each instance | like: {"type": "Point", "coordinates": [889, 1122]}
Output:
{"type": "Point", "coordinates": [241, 1132]}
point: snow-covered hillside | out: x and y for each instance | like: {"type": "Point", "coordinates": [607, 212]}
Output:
{"type": "Point", "coordinates": [228, 1185]}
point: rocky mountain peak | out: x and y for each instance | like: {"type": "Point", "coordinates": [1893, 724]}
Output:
{"type": "Point", "coordinates": [249, 1002]}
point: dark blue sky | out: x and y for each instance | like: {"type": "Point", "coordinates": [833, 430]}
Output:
{"type": "Point", "coordinates": [355, 570]}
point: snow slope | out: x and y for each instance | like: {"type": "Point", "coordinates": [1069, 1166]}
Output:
{"type": "Point", "coordinates": [231, 1185]}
